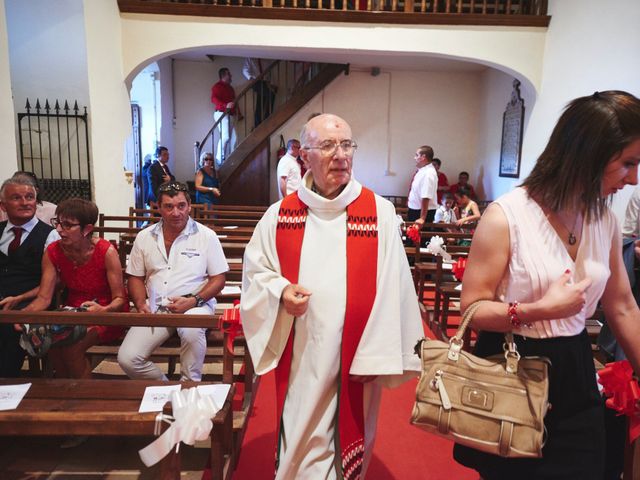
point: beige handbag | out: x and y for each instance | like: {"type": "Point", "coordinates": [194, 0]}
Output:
{"type": "Point", "coordinates": [496, 404]}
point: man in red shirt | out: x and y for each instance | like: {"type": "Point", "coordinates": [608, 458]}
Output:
{"type": "Point", "coordinates": [223, 98]}
{"type": "Point", "coordinates": [463, 181]}
{"type": "Point", "coordinates": [443, 182]}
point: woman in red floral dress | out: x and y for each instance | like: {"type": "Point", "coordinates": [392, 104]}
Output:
{"type": "Point", "coordinates": [90, 270]}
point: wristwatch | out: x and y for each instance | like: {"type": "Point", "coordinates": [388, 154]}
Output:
{"type": "Point", "coordinates": [199, 300]}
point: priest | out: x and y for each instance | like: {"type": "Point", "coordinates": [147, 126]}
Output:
{"type": "Point", "coordinates": [329, 304]}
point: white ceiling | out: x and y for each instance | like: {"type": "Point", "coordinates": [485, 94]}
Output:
{"type": "Point", "coordinates": [358, 60]}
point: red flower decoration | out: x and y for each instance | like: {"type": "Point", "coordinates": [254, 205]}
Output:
{"type": "Point", "coordinates": [413, 232]}
{"type": "Point", "coordinates": [623, 393]}
{"type": "Point", "coordinates": [458, 268]}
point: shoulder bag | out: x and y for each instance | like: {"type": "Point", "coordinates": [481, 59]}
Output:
{"type": "Point", "coordinates": [496, 404]}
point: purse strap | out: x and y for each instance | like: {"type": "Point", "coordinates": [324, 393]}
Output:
{"type": "Point", "coordinates": [466, 320]}
{"type": "Point", "coordinates": [456, 342]}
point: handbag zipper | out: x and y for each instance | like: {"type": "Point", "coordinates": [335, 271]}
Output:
{"type": "Point", "coordinates": [521, 391]}
{"type": "Point", "coordinates": [438, 385]}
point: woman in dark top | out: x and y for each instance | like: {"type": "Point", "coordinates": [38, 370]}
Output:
{"type": "Point", "coordinates": [207, 185]}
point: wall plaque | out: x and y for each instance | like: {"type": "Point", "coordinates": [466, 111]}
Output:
{"type": "Point", "coordinates": [512, 123]}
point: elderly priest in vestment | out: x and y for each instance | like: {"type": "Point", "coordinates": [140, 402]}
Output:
{"type": "Point", "coordinates": [328, 302]}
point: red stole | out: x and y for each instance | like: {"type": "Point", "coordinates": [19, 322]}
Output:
{"type": "Point", "coordinates": [362, 264]}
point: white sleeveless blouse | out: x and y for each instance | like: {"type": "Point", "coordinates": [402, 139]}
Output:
{"type": "Point", "coordinates": [538, 257]}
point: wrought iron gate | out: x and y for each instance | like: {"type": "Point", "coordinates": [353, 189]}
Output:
{"type": "Point", "coordinates": [54, 144]}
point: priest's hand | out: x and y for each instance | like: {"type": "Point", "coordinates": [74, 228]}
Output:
{"type": "Point", "coordinates": [295, 299]}
{"type": "Point", "coordinates": [363, 378]}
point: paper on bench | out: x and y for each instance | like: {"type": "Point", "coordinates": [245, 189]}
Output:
{"type": "Point", "coordinates": [219, 392]}
{"type": "Point", "coordinates": [154, 398]}
{"type": "Point", "coordinates": [230, 227]}
{"type": "Point", "coordinates": [459, 287]}
{"type": "Point", "coordinates": [222, 236]}
{"type": "Point", "coordinates": [12, 395]}
{"type": "Point", "coordinates": [230, 290]}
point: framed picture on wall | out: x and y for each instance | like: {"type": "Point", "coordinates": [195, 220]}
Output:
{"type": "Point", "coordinates": [512, 124]}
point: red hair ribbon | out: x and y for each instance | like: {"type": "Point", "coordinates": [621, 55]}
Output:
{"type": "Point", "coordinates": [230, 323]}
{"type": "Point", "coordinates": [623, 393]}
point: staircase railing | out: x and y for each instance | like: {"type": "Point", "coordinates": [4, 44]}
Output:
{"type": "Point", "coordinates": [260, 98]}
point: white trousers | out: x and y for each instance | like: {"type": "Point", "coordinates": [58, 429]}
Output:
{"type": "Point", "coordinates": [140, 342]}
{"type": "Point", "coordinates": [226, 137]}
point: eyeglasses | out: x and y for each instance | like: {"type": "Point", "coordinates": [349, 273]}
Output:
{"type": "Point", "coordinates": [173, 186]}
{"type": "Point", "coordinates": [330, 148]}
{"type": "Point", "coordinates": [64, 224]}
{"type": "Point", "coordinates": [208, 159]}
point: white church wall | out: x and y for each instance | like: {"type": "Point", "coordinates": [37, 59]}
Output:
{"type": "Point", "coordinates": [7, 113]}
{"type": "Point", "coordinates": [495, 95]}
{"type": "Point", "coordinates": [47, 51]}
{"type": "Point", "coordinates": [151, 36]}
{"type": "Point", "coordinates": [591, 46]}
{"type": "Point", "coordinates": [110, 120]}
{"type": "Point", "coordinates": [46, 60]}
{"type": "Point", "coordinates": [394, 113]}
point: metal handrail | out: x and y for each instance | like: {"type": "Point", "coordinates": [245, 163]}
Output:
{"type": "Point", "coordinates": [241, 95]}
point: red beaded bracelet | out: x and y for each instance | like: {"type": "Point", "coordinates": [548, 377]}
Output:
{"type": "Point", "coordinates": [512, 313]}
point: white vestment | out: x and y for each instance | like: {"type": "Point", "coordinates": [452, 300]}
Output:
{"type": "Point", "coordinates": [308, 449]}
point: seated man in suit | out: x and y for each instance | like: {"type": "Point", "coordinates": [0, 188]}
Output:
{"type": "Point", "coordinates": [23, 239]}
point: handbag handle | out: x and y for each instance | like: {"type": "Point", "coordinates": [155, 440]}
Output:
{"type": "Point", "coordinates": [455, 343]}
{"type": "Point", "coordinates": [466, 320]}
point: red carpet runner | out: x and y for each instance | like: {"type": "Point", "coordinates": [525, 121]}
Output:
{"type": "Point", "coordinates": [402, 452]}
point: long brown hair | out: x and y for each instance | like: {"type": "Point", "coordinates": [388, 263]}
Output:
{"type": "Point", "coordinates": [591, 131]}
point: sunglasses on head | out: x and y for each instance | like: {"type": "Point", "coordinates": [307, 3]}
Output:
{"type": "Point", "coordinates": [172, 187]}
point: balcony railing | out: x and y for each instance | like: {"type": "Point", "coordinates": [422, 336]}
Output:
{"type": "Point", "coordinates": [438, 12]}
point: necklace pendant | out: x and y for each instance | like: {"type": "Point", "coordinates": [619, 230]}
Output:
{"type": "Point", "coordinates": [572, 239]}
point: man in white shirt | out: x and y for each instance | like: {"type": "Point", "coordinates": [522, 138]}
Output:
{"type": "Point", "coordinates": [631, 226]}
{"type": "Point", "coordinates": [422, 201]}
{"type": "Point", "coordinates": [180, 266]}
{"type": "Point", "coordinates": [289, 171]}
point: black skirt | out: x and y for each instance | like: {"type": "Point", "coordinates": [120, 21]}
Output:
{"type": "Point", "coordinates": [575, 444]}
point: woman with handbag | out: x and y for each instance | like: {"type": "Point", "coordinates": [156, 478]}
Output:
{"type": "Point", "coordinates": [544, 255]}
{"type": "Point", "coordinates": [90, 270]}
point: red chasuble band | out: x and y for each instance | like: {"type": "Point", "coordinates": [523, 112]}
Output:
{"type": "Point", "coordinates": [362, 263]}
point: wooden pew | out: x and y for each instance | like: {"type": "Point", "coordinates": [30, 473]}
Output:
{"type": "Point", "coordinates": [216, 213]}
{"type": "Point", "coordinates": [110, 407]}
{"type": "Point", "coordinates": [243, 208]}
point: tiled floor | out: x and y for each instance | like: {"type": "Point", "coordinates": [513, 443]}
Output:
{"type": "Point", "coordinates": [112, 458]}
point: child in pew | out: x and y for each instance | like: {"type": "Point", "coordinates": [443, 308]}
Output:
{"type": "Point", "coordinates": [446, 214]}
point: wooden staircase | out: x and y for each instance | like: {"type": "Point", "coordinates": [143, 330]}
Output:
{"type": "Point", "coordinates": [244, 174]}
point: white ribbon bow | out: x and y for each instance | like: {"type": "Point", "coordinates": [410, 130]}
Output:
{"type": "Point", "coordinates": [191, 421]}
{"type": "Point", "coordinates": [435, 247]}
